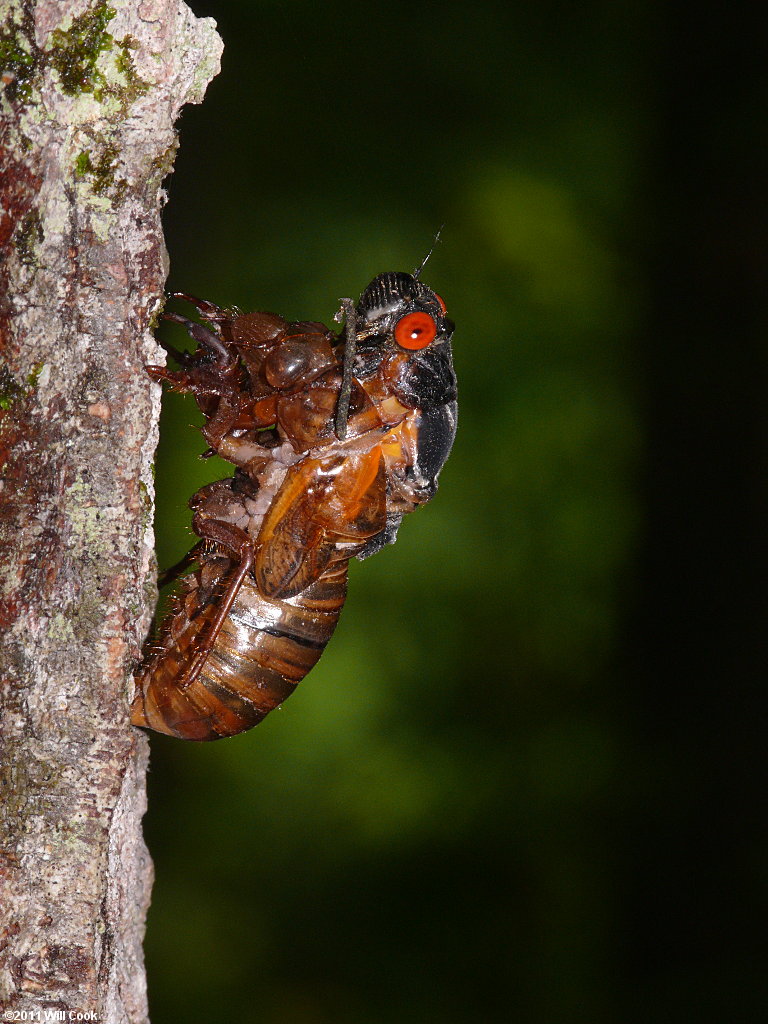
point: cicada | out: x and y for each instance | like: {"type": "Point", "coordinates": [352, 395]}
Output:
{"type": "Point", "coordinates": [335, 437]}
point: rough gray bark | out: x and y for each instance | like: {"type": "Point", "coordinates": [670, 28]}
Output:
{"type": "Point", "coordinates": [90, 93]}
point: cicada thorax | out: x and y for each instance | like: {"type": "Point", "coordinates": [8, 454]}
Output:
{"type": "Point", "coordinates": [254, 618]}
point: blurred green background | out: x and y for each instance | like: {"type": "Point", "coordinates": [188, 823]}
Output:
{"type": "Point", "coordinates": [526, 780]}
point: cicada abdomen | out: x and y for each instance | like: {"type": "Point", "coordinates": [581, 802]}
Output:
{"type": "Point", "coordinates": [264, 649]}
{"type": "Point", "coordinates": [335, 439]}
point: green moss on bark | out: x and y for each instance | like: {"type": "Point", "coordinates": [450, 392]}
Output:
{"type": "Point", "coordinates": [19, 54]}
{"type": "Point", "coordinates": [12, 390]}
{"type": "Point", "coordinates": [26, 238]}
{"type": "Point", "coordinates": [74, 52]}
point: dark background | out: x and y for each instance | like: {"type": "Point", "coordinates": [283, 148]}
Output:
{"type": "Point", "coordinates": [526, 781]}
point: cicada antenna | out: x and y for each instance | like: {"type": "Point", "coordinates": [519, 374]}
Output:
{"type": "Point", "coordinates": [347, 310]}
{"type": "Point", "coordinates": [423, 263]}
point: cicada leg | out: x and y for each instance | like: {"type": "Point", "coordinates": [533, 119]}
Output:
{"type": "Point", "coordinates": [207, 310]}
{"type": "Point", "coordinates": [173, 573]}
{"type": "Point", "coordinates": [203, 336]}
{"type": "Point", "coordinates": [240, 544]}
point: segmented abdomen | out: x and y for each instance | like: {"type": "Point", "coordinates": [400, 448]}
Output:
{"type": "Point", "coordinates": [265, 648]}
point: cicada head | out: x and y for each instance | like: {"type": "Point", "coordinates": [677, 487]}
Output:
{"type": "Point", "coordinates": [404, 340]}
{"type": "Point", "coordinates": [396, 307]}
{"type": "Point", "coordinates": [400, 316]}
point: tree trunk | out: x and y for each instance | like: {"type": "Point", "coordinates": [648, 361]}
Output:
{"type": "Point", "coordinates": [90, 93]}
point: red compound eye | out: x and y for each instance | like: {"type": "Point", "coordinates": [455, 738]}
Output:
{"type": "Point", "coordinates": [442, 304]}
{"type": "Point", "coordinates": [415, 330]}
